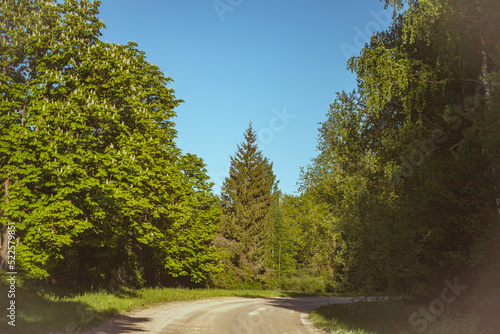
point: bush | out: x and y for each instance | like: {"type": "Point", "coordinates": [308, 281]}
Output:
{"type": "Point", "coordinates": [304, 284]}
{"type": "Point", "coordinates": [237, 272]}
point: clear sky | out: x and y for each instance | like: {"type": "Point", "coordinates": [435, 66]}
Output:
{"type": "Point", "coordinates": [275, 63]}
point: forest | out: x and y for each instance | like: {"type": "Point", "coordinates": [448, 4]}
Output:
{"type": "Point", "coordinates": [402, 195]}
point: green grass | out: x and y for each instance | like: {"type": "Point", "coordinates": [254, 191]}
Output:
{"type": "Point", "coordinates": [390, 317]}
{"type": "Point", "coordinates": [60, 310]}
{"type": "Point", "coordinates": [380, 317]}
{"type": "Point", "coordinates": [63, 311]}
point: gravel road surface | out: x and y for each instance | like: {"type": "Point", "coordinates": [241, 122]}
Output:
{"type": "Point", "coordinates": [283, 315]}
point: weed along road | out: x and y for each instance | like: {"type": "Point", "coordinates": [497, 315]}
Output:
{"type": "Point", "coordinates": [222, 316]}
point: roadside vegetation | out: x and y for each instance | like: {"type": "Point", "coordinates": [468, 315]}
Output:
{"type": "Point", "coordinates": [402, 196]}
{"type": "Point", "coordinates": [391, 317]}
{"type": "Point", "coordinates": [408, 169]}
{"type": "Point", "coordinates": [59, 310]}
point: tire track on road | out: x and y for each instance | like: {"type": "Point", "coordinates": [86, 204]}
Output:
{"type": "Point", "coordinates": [227, 315]}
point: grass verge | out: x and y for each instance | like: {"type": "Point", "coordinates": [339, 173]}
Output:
{"type": "Point", "coordinates": [64, 312]}
{"type": "Point", "coordinates": [391, 317]}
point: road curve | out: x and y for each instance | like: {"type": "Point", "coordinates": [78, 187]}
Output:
{"type": "Point", "coordinates": [231, 315]}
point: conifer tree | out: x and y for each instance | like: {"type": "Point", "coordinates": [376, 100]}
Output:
{"type": "Point", "coordinates": [247, 195]}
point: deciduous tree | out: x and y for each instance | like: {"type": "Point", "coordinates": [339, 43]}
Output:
{"type": "Point", "coordinates": [93, 178]}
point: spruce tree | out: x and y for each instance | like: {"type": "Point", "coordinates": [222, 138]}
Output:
{"type": "Point", "coordinates": [247, 195]}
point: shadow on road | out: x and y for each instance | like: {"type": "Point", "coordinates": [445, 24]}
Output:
{"type": "Point", "coordinates": [306, 304]}
{"type": "Point", "coordinates": [124, 324]}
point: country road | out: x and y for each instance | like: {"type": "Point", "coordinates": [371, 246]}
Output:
{"type": "Point", "coordinates": [222, 316]}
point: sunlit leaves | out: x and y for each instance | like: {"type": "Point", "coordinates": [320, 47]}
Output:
{"type": "Point", "coordinates": [405, 164]}
{"type": "Point", "coordinates": [87, 145]}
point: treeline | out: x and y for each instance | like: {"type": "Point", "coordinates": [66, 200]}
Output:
{"type": "Point", "coordinates": [91, 175]}
{"type": "Point", "coordinates": [403, 192]}
{"type": "Point", "coordinates": [408, 163]}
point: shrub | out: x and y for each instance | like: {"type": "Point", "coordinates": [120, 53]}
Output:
{"type": "Point", "coordinates": [304, 284]}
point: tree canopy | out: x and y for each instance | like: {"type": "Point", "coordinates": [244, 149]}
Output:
{"type": "Point", "coordinates": [403, 190]}
{"type": "Point", "coordinates": [92, 176]}
{"type": "Point", "coordinates": [407, 165]}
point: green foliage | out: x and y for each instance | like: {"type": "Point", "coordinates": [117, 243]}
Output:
{"type": "Point", "coordinates": [407, 170]}
{"type": "Point", "coordinates": [237, 271]}
{"type": "Point", "coordinates": [313, 236]}
{"type": "Point", "coordinates": [306, 283]}
{"type": "Point", "coordinates": [283, 247]}
{"type": "Point", "coordinates": [93, 178]}
{"type": "Point", "coordinates": [404, 186]}
{"type": "Point", "coordinates": [246, 199]}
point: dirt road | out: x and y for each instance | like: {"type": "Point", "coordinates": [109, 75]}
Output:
{"type": "Point", "coordinates": [222, 316]}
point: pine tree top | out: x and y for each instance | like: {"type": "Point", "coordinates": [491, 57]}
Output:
{"type": "Point", "coordinates": [247, 194]}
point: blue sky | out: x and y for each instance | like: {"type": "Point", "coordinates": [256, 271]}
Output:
{"type": "Point", "coordinates": [275, 63]}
